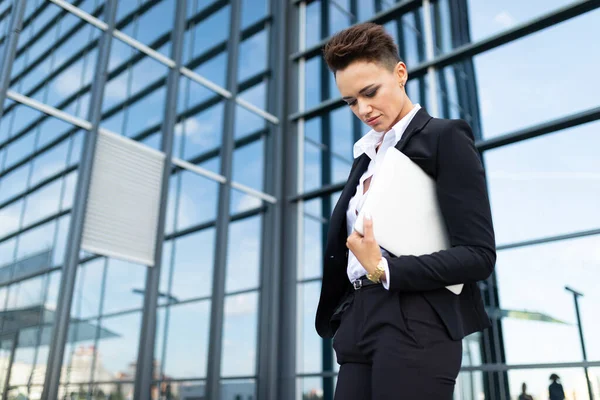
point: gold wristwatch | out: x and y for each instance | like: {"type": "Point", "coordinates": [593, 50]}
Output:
{"type": "Point", "coordinates": [378, 273]}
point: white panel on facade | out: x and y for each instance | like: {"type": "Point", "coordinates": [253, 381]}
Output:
{"type": "Point", "coordinates": [122, 209]}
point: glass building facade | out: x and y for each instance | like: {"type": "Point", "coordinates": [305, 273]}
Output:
{"type": "Point", "coordinates": [258, 146]}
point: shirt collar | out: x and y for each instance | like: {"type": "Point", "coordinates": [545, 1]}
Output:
{"type": "Point", "coordinates": [368, 143]}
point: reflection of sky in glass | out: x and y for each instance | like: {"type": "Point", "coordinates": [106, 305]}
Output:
{"type": "Point", "coordinates": [240, 335]}
{"type": "Point", "coordinates": [187, 340]}
{"type": "Point", "coordinates": [546, 186]}
{"type": "Point", "coordinates": [243, 254]}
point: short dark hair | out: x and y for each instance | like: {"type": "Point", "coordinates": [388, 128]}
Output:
{"type": "Point", "coordinates": [361, 42]}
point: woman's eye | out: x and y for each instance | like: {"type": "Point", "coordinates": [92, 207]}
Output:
{"type": "Point", "coordinates": [351, 103]}
{"type": "Point", "coordinates": [371, 94]}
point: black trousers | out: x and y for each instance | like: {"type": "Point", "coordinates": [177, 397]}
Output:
{"type": "Point", "coordinates": [393, 346]}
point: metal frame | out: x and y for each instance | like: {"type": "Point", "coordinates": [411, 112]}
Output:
{"type": "Point", "coordinates": [145, 360]}
{"type": "Point", "coordinates": [292, 74]}
{"type": "Point", "coordinates": [272, 227]}
{"type": "Point", "coordinates": [215, 346]}
{"type": "Point", "coordinates": [16, 25]}
{"type": "Point", "coordinates": [63, 309]}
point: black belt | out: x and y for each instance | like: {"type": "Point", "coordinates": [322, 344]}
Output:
{"type": "Point", "coordinates": [362, 282]}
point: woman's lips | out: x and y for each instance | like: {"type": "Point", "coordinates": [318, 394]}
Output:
{"type": "Point", "coordinates": [372, 121]}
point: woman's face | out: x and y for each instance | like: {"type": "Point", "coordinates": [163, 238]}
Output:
{"type": "Point", "coordinates": [374, 93]}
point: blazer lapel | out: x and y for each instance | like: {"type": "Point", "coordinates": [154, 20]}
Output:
{"type": "Point", "coordinates": [418, 122]}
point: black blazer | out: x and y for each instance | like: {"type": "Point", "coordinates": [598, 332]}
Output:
{"type": "Point", "coordinates": [444, 149]}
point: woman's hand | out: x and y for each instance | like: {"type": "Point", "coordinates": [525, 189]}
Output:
{"type": "Point", "coordinates": [365, 248]}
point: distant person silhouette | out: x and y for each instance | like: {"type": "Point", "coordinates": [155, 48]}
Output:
{"type": "Point", "coordinates": [555, 389]}
{"type": "Point", "coordinates": [524, 395]}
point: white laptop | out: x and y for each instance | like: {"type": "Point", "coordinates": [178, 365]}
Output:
{"type": "Point", "coordinates": [406, 216]}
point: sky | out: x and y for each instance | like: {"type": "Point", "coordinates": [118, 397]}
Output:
{"type": "Point", "coordinates": [542, 187]}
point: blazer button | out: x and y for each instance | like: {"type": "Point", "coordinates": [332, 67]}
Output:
{"type": "Point", "coordinates": [331, 257]}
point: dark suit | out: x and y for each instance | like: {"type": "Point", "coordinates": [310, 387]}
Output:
{"type": "Point", "coordinates": [444, 149]}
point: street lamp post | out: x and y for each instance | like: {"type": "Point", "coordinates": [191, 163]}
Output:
{"type": "Point", "coordinates": [576, 296]}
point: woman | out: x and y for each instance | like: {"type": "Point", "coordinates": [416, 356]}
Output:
{"type": "Point", "coordinates": [397, 329]}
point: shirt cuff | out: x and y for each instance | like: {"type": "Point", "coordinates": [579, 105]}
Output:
{"type": "Point", "coordinates": [384, 264]}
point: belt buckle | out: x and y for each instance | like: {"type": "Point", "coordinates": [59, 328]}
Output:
{"type": "Point", "coordinates": [357, 284]}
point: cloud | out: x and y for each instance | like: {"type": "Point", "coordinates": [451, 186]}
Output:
{"type": "Point", "coordinates": [247, 202]}
{"type": "Point", "coordinates": [505, 19]}
{"type": "Point", "coordinates": [9, 220]}
{"type": "Point", "coordinates": [200, 133]}
{"type": "Point", "coordinates": [244, 304]}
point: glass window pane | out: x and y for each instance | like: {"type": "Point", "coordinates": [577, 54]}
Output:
{"type": "Point", "coordinates": [313, 24]}
{"type": "Point", "coordinates": [242, 201]}
{"type": "Point", "coordinates": [180, 390]}
{"type": "Point", "coordinates": [539, 314]}
{"type": "Point", "coordinates": [237, 390]}
{"type": "Point", "coordinates": [20, 149]}
{"type": "Point", "coordinates": [155, 22]}
{"type": "Point", "coordinates": [339, 15]}
{"type": "Point", "coordinates": [36, 240]}
{"type": "Point", "coordinates": [50, 129]}
{"type": "Point", "coordinates": [118, 347]}
{"type": "Point", "coordinates": [187, 340]}
{"type": "Point", "coordinates": [125, 284]}
{"type": "Point", "coordinates": [10, 217]}
{"type": "Point", "coordinates": [193, 265]}
{"type": "Point", "coordinates": [60, 243]}
{"type": "Point", "coordinates": [312, 166]}
{"type": "Point", "coordinates": [87, 292]}
{"type": "Point", "coordinates": [14, 183]}
{"type": "Point", "coordinates": [253, 55]}
{"type": "Point", "coordinates": [202, 132]}
{"type": "Point", "coordinates": [7, 256]}
{"type": "Point", "coordinates": [310, 345]}
{"type": "Point", "coordinates": [197, 200]}
{"type": "Point", "coordinates": [537, 189]}
{"type": "Point", "coordinates": [209, 32]}
{"type": "Point", "coordinates": [243, 254]}
{"type": "Point", "coordinates": [50, 162]}
{"type": "Point", "coordinates": [69, 190]}
{"type": "Point", "coordinates": [312, 260]}
{"type": "Point", "coordinates": [247, 122]}
{"type": "Point", "coordinates": [520, 70]}
{"type": "Point", "coordinates": [79, 351]}
{"type": "Point", "coordinates": [248, 164]}
{"type": "Point", "coordinates": [145, 113]}
{"type": "Point", "coordinates": [312, 83]}
{"type": "Point", "coordinates": [42, 203]}
{"type": "Point", "coordinates": [240, 335]}
{"type": "Point", "coordinates": [489, 18]}
{"type": "Point", "coordinates": [29, 293]}
{"type": "Point", "coordinates": [24, 357]}
{"type": "Point", "coordinates": [310, 388]}
{"type": "Point", "coordinates": [116, 391]}
{"type": "Point", "coordinates": [538, 382]}
{"type": "Point", "coordinates": [470, 386]}
{"type": "Point", "coordinates": [253, 11]}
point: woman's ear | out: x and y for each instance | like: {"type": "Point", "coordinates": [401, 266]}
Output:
{"type": "Point", "coordinates": [401, 73]}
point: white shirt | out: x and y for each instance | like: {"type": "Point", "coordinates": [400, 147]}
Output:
{"type": "Point", "coordinates": [368, 144]}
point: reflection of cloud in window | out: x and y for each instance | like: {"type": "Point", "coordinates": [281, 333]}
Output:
{"type": "Point", "coordinates": [241, 305]}
{"type": "Point", "coordinates": [248, 202]}
{"type": "Point", "coordinates": [197, 132]}
{"type": "Point", "coordinates": [505, 19]}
